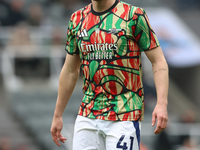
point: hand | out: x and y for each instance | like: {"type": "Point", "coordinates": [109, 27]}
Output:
{"type": "Point", "coordinates": [160, 113]}
{"type": "Point", "coordinates": [56, 127]}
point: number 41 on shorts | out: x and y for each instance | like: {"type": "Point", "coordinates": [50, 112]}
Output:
{"type": "Point", "coordinates": [123, 145]}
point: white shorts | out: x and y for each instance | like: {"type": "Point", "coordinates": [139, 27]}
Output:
{"type": "Point", "coordinates": [96, 134]}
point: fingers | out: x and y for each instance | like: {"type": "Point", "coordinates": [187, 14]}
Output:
{"type": "Point", "coordinates": [54, 136]}
{"type": "Point", "coordinates": [62, 139]}
{"type": "Point", "coordinates": [153, 120]}
{"type": "Point", "coordinates": [161, 124]}
{"type": "Point", "coordinates": [57, 136]}
{"type": "Point", "coordinates": [158, 127]}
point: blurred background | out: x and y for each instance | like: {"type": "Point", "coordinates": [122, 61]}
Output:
{"type": "Point", "coordinates": [32, 43]}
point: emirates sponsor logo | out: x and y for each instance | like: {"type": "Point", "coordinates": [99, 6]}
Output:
{"type": "Point", "coordinates": [99, 51]}
{"type": "Point", "coordinates": [98, 47]}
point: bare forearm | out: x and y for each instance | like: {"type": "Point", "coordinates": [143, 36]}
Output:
{"type": "Point", "coordinates": [68, 77]}
{"type": "Point", "coordinates": [161, 78]}
{"type": "Point", "coordinates": [67, 83]}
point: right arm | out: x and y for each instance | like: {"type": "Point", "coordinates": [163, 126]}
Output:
{"type": "Point", "coordinates": [68, 77]}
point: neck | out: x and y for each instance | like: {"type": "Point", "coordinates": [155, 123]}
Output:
{"type": "Point", "coordinates": [102, 5]}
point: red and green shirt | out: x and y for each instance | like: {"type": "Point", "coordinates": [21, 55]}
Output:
{"type": "Point", "coordinates": [109, 45]}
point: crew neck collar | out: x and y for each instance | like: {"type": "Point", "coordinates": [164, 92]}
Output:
{"type": "Point", "coordinates": [109, 9]}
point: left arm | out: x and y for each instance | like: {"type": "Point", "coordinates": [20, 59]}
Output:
{"type": "Point", "coordinates": [161, 79]}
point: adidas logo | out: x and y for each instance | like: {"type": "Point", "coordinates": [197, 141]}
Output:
{"type": "Point", "coordinates": [83, 33]}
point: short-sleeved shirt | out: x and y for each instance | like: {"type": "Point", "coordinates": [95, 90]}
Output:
{"type": "Point", "coordinates": [109, 45]}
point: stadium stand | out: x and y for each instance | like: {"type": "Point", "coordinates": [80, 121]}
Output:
{"type": "Point", "coordinates": [27, 98]}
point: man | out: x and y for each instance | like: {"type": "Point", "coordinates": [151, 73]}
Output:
{"type": "Point", "coordinates": [106, 39]}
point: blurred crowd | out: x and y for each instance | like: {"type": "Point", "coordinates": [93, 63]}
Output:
{"type": "Point", "coordinates": [19, 18]}
{"type": "Point", "coordinates": [30, 23]}
{"type": "Point", "coordinates": [35, 13]}
{"type": "Point", "coordinates": [42, 22]}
